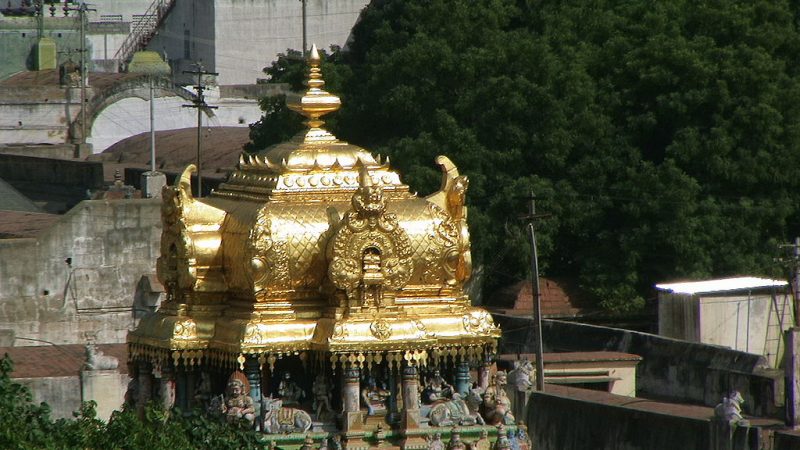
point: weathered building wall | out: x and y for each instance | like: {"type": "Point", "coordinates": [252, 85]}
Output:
{"type": "Point", "coordinates": [37, 115]}
{"type": "Point", "coordinates": [238, 38]}
{"type": "Point", "coordinates": [62, 394]}
{"type": "Point", "coordinates": [18, 35]}
{"type": "Point", "coordinates": [80, 275]}
{"type": "Point", "coordinates": [670, 368]}
{"type": "Point", "coordinates": [187, 36]}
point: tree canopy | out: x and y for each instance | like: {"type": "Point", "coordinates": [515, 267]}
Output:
{"type": "Point", "coordinates": [658, 135]}
{"type": "Point", "coordinates": [25, 425]}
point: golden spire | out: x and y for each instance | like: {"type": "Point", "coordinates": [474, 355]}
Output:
{"type": "Point", "coordinates": [314, 102]}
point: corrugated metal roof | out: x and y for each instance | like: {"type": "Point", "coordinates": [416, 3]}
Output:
{"type": "Point", "coordinates": [720, 285]}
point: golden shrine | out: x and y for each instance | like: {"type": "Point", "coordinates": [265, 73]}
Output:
{"type": "Point", "coordinates": [313, 283]}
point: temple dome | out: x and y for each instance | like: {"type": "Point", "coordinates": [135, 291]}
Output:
{"type": "Point", "coordinates": [316, 245]}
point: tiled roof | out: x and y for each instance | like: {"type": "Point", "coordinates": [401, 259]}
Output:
{"type": "Point", "coordinates": [517, 300]}
{"type": "Point", "coordinates": [18, 224]}
{"type": "Point", "coordinates": [644, 404]}
{"type": "Point", "coordinates": [175, 149]}
{"type": "Point", "coordinates": [575, 357]}
{"type": "Point", "coordinates": [58, 360]}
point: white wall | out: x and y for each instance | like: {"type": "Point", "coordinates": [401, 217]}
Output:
{"type": "Point", "coordinates": [751, 324]}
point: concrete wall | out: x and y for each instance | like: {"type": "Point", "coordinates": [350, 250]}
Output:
{"type": "Point", "coordinates": [751, 322]}
{"type": "Point", "coordinates": [37, 115]}
{"type": "Point", "coordinates": [62, 394]}
{"type": "Point", "coordinates": [106, 388]}
{"type": "Point", "coordinates": [186, 36]}
{"type": "Point", "coordinates": [238, 38]}
{"type": "Point", "coordinates": [46, 296]}
{"type": "Point", "coordinates": [678, 316]}
{"type": "Point", "coordinates": [18, 35]}
{"type": "Point", "coordinates": [670, 368]}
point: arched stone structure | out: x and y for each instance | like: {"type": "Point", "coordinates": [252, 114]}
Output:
{"type": "Point", "coordinates": [138, 88]}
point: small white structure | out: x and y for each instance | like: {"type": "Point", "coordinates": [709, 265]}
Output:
{"type": "Point", "coordinates": [745, 313]}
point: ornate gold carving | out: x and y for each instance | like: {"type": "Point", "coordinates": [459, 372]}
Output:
{"type": "Point", "coordinates": [369, 241]}
{"type": "Point", "coordinates": [450, 235]}
{"type": "Point", "coordinates": [381, 329]}
{"type": "Point", "coordinates": [339, 332]}
{"type": "Point", "coordinates": [269, 259]}
{"type": "Point", "coordinates": [175, 265]}
{"type": "Point", "coordinates": [479, 322]}
{"type": "Point", "coordinates": [185, 330]}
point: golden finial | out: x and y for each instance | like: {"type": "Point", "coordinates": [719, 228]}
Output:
{"type": "Point", "coordinates": [314, 102]}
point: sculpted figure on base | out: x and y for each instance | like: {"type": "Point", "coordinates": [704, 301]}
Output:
{"type": "Point", "coordinates": [436, 389]}
{"type": "Point", "coordinates": [238, 405]}
{"type": "Point", "coordinates": [289, 391]}
{"type": "Point", "coordinates": [322, 396]}
{"type": "Point", "coordinates": [374, 397]}
{"type": "Point", "coordinates": [496, 407]}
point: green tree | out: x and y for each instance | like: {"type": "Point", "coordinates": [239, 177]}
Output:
{"type": "Point", "coordinates": [660, 135]}
{"type": "Point", "coordinates": [24, 425]}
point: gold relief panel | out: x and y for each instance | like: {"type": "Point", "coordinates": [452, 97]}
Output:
{"type": "Point", "coordinates": [370, 248]}
{"type": "Point", "coordinates": [269, 260]}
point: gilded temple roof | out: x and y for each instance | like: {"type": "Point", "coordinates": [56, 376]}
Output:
{"type": "Point", "coordinates": [316, 245]}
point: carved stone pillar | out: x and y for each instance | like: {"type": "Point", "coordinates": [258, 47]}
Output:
{"type": "Point", "coordinates": [411, 413]}
{"type": "Point", "coordinates": [462, 378]}
{"type": "Point", "coordinates": [410, 384]}
{"type": "Point", "coordinates": [483, 376]}
{"type": "Point", "coordinates": [144, 377]}
{"type": "Point", "coordinates": [166, 387]}
{"type": "Point", "coordinates": [351, 397]}
{"type": "Point", "coordinates": [252, 371]}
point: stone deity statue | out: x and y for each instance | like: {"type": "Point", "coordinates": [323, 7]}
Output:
{"type": "Point", "coordinates": [436, 389]}
{"type": "Point", "coordinates": [435, 442]}
{"type": "Point", "coordinates": [375, 397]}
{"type": "Point", "coordinates": [730, 409]}
{"type": "Point", "coordinates": [289, 391]}
{"type": "Point", "coordinates": [238, 405]}
{"type": "Point", "coordinates": [322, 396]}
{"type": "Point", "coordinates": [496, 406]}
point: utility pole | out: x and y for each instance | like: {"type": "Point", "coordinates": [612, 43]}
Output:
{"type": "Point", "coordinates": [82, 10]}
{"type": "Point", "coordinates": [305, 35]}
{"type": "Point", "coordinates": [536, 294]}
{"type": "Point", "coordinates": [792, 261]}
{"type": "Point", "coordinates": [200, 103]}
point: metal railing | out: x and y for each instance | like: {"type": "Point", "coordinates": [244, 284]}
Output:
{"type": "Point", "coordinates": [143, 28]}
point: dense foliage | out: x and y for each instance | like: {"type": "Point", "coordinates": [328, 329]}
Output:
{"type": "Point", "coordinates": [24, 425]}
{"type": "Point", "coordinates": [660, 135]}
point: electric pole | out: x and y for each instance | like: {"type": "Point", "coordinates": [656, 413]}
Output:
{"type": "Point", "coordinates": [82, 10]}
{"type": "Point", "coordinates": [199, 102]}
{"type": "Point", "coordinates": [536, 294]}
{"type": "Point", "coordinates": [792, 262]}
{"type": "Point", "coordinates": [305, 35]}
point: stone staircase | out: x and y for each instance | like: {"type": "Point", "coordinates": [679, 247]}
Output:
{"type": "Point", "coordinates": [143, 28]}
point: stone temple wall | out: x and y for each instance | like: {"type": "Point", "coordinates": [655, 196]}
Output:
{"type": "Point", "coordinates": [80, 275]}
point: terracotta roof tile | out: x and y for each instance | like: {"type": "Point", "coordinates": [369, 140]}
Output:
{"type": "Point", "coordinates": [58, 360]}
{"type": "Point", "coordinates": [18, 224]}
{"type": "Point", "coordinates": [556, 302]}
